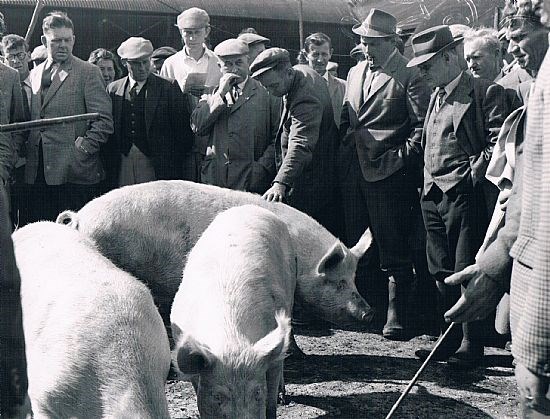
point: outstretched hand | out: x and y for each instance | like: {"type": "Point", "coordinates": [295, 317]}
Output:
{"type": "Point", "coordinates": [481, 296]}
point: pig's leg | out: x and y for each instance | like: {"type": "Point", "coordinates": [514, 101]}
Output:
{"type": "Point", "coordinates": [274, 382]}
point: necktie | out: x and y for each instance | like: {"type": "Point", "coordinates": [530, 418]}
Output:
{"type": "Point", "coordinates": [369, 78]}
{"type": "Point", "coordinates": [133, 92]}
{"type": "Point", "coordinates": [235, 93]}
{"type": "Point", "coordinates": [26, 106]}
{"type": "Point", "coordinates": [439, 99]}
{"type": "Point", "coordinates": [46, 80]}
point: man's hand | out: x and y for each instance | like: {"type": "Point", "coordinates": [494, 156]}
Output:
{"type": "Point", "coordinates": [227, 81]}
{"type": "Point", "coordinates": [533, 389]}
{"type": "Point", "coordinates": [481, 296]}
{"type": "Point", "coordinates": [276, 193]}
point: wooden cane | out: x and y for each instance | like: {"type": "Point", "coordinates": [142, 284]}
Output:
{"type": "Point", "coordinates": [415, 378]}
{"type": "Point", "coordinates": [34, 19]}
{"type": "Point", "coordinates": [46, 122]}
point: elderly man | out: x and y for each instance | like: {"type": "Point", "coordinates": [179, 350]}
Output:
{"type": "Point", "coordinates": [256, 44]}
{"type": "Point", "coordinates": [482, 53]}
{"type": "Point", "coordinates": [318, 49]}
{"type": "Point", "coordinates": [380, 179]}
{"type": "Point", "coordinates": [524, 237]}
{"type": "Point", "coordinates": [151, 121]}
{"type": "Point", "coordinates": [461, 128]}
{"type": "Point", "coordinates": [63, 161]}
{"type": "Point", "coordinates": [15, 51]}
{"type": "Point", "coordinates": [195, 67]}
{"type": "Point", "coordinates": [241, 124]}
{"type": "Point", "coordinates": [305, 145]}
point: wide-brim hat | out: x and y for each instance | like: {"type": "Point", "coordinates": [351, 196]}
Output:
{"type": "Point", "coordinates": [377, 24]}
{"type": "Point", "coordinates": [430, 42]}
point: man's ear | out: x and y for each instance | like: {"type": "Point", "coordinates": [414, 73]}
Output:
{"type": "Point", "coordinates": [43, 40]}
{"type": "Point", "coordinates": [207, 32]}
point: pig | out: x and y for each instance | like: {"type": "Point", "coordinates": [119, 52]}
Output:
{"type": "Point", "coordinates": [148, 230]}
{"type": "Point", "coordinates": [231, 314]}
{"type": "Point", "coordinates": [96, 345]}
{"type": "Point", "coordinates": [13, 365]}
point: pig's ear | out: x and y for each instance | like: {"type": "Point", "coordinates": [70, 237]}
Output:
{"type": "Point", "coordinates": [364, 243]}
{"type": "Point", "coordinates": [332, 258]}
{"type": "Point", "coordinates": [272, 347]}
{"type": "Point", "coordinates": [193, 357]}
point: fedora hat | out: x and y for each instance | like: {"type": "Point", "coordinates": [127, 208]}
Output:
{"type": "Point", "coordinates": [428, 43]}
{"type": "Point", "coordinates": [377, 24]}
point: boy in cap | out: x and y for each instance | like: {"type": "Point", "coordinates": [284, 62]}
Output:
{"type": "Point", "coordinates": [379, 178]}
{"type": "Point", "coordinates": [151, 118]}
{"type": "Point", "coordinates": [462, 125]}
{"type": "Point", "coordinates": [195, 57]}
{"type": "Point", "coordinates": [306, 143]}
{"type": "Point", "coordinates": [241, 122]}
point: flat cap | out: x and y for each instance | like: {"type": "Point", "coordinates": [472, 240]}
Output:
{"type": "Point", "coordinates": [135, 48]}
{"type": "Point", "coordinates": [269, 59]}
{"type": "Point", "coordinates": [163, 52]}
{"type": "Point", "coordinates": [39, 53]}
{"type": "Point", "coordinates": [253, 38]}
{"type": "Point", "coordinates": [193, 18]}
{"type": "Point", "coordinates": [231, 47]}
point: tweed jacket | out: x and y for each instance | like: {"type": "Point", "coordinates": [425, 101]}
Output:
{"type": "Point", "coordinates": [306, 139]}
{"type": "Point", "coordinates": [530, 284]}
{"type": "Point", "coordinates": [241, 138]}
{"type": "Point", "coordinates": [11, 110]}
{"type": "Point", "coordinates": [336, 90]}
{"type": "Point", "coordinates": [386, 126]}
{"type": "Point", "coordinates": [479, 110]}
{"type": "Point", "coordinates": [168, 133]}
{"type": "Point", "coordinates": [71, 151]}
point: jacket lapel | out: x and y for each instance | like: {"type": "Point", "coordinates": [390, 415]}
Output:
{"type": "Point", "coordinates": [461, 99]}
{"type": "Point", "coordinates": [119, 100]}
{"type": "Point", "coordinates": [151, 100]}
{"type": "Point", "coordinates": [356, 93]}
{"type": "Point", "coordinates": [62, 73]}
{"type": "Point", "coordinates": [249, 90]}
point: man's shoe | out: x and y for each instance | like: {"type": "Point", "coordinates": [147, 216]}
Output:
{"type": "Point", "coordinates": [398, 319]}
{"type": "Point", "coordinates": [441, 354]}
{"type": "Point", "coordinates": [465, 360]}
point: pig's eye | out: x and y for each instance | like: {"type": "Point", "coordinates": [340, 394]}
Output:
{"type": "Point", "coordinates": [257, 393]}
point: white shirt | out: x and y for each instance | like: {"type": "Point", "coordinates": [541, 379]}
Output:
{"type": "Point", "coordinates": [132, 82]}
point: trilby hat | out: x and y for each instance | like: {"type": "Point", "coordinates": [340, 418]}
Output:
{"type": "Point", "coordinates": [377, 24]}
{"type": "Point", "coordinates": [428, 43]}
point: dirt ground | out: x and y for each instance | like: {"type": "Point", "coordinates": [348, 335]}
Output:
{"type": "Point", "coordinates": [350, 374]}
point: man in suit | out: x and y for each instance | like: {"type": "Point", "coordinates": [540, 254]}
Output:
{"type": "Point", "coordinates": [305, 145]}
{"type": "Point", "coordinates": [63, 161]}
{"type": "Point", "coordinates": [381, 127]}
{"type": "Point", "coordinates": [241, 123]}
{"type": "Point", "coordinates": [17, 56]}
{"type": "Point", "coordinates": [318, 49]}
{"type": "Point", "coordinates": [461, 127]}
{"type": "Point", "coordinates": [151, 121]}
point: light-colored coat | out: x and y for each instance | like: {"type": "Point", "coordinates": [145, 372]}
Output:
{"type": "Point", "coordinates": [231, 315]}
{"type": "Point", "coordinates": [77, 87]}
{"type": "Point", "coordinates": [240, 149]}
{"type": "Point", "coordinates": [96, 345]}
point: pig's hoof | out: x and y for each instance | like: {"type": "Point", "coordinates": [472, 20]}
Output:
{"type": "Point", "coordinates": [283, 399]}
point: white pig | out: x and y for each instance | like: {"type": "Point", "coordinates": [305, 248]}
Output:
{"type": "Point", "coordinates": [148, 230]}
{"type": "Point", "coordinates": [231, 314]}
{"type": "Point", "coordinates": [96, 345]}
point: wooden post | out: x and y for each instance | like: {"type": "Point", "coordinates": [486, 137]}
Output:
{"type": "Point", "coordinates": [301, 22]}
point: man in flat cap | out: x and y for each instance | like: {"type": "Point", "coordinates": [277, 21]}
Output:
{"type": "Point", "coordinates": [462, 125]}
{"type": "Point", "coordinates": [240, 121]}
{"type": "Point", "coordinates": [63, 161]}
{"type": "Point", "coordinates": [151, 118]}
{"type": "Point", "coordinates": [256, 44]}
{"type": "Point", "coordinates": [305, 145]}
{"type": "Point", "coordinates": [384, 108]}
{"type": "Point", "coordinates": [159, 56]}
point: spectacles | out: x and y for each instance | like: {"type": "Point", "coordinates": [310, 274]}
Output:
{"type": "Point", "coordinates": [11, 57]}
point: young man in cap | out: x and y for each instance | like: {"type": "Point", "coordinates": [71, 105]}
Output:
{"type": "Point", "coordinates": [240, 122]}
{"type": "Point", "coordinates": [462, 125]}
{"type": "Point", "coordinates": [63, 161]}
{"type": "Point", "coordinates": [159, 57]}
{"type": "Point", "coordinates": [318, 52]}
{"type": "Point", "coordinates": [151, 118]}
{"type": "Point", "coordinates": [195, 57]}
{"type": "Point", "coordinates": [382, 120]}
{"type": "Point", "coordinates": [306, 142]}
{"type": "Point", "coordinates": [256, 44]}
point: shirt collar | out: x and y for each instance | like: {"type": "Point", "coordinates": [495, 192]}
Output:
{"type": "Point", "coordinates": [206, 53]}
{"type": "Point", "coordinates": [325, 76]}
{"type": "Point", "coordinates": [241, 84]}
{"type": "Point", "coordinates": [452, 84]}
{"type": "Point", "coordinates": [140, 84]}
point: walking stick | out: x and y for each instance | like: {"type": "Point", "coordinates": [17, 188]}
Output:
{"type": "Point", "coordinates": [46, 122]}
{"type": "Point", "coordinates": [415, 378]}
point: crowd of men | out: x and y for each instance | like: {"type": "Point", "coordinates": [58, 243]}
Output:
{"type": "Point", "coordinates": [444, 156]}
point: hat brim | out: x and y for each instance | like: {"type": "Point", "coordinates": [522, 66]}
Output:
{"type": "Point", "coordinates": [415, 61]}
{"type": "Point", "coordinates": [262, 70]}
{"type": "Point", "coordinates": [370, 33]}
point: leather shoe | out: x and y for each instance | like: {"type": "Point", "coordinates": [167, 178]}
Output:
{"type": "Point", "coordinates": [442, 354]}
{"type": "Point", "coordinates": [465, 361]}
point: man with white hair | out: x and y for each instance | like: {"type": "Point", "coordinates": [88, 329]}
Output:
{"type": "Point", "coordinates": [482, 53]}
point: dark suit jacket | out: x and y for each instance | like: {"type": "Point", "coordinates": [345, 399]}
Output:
{"type": "Point", "coordinates": [385, 127]}
{"type": "Point", "coordinates": [77, 87]}
{"type": "Point", "coordinates": [168, 130]}
{"type": "Point", "coordinates": [479, 109]}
